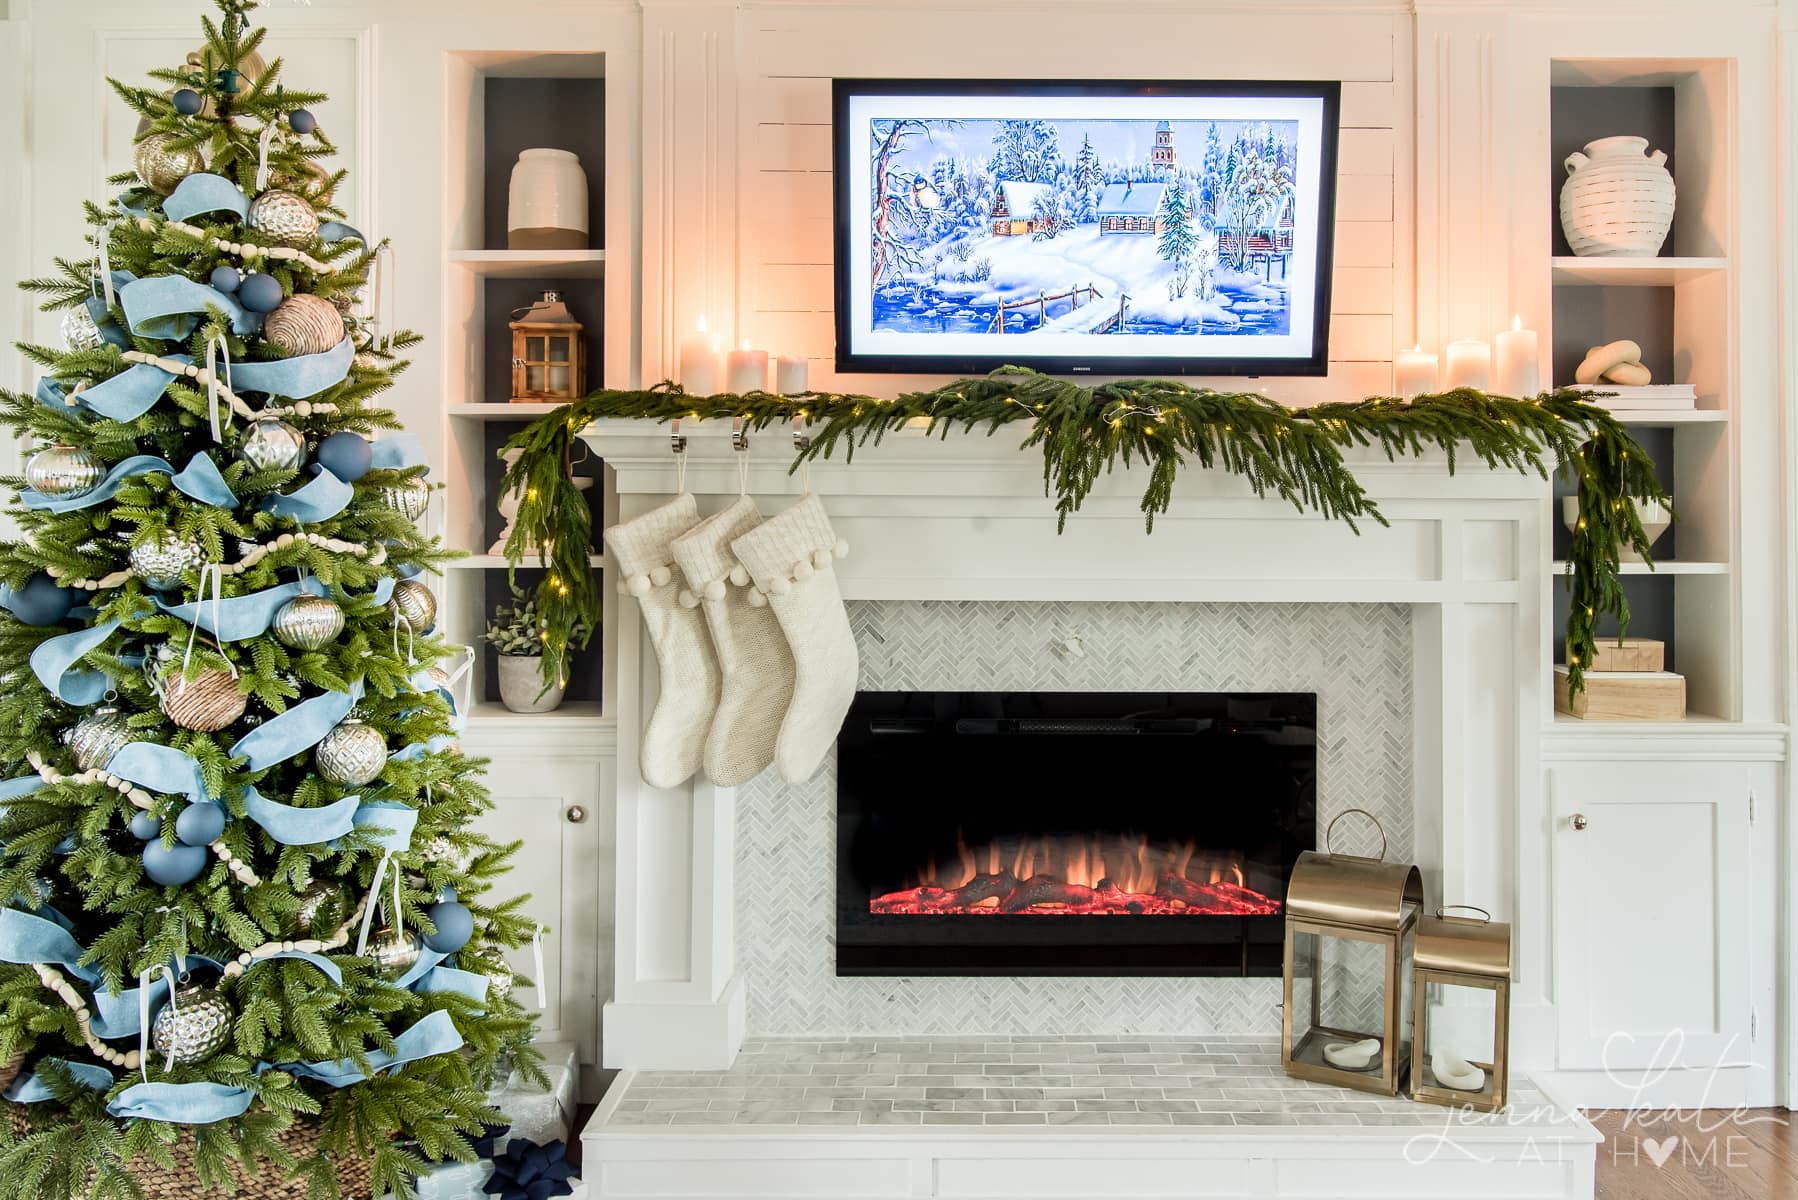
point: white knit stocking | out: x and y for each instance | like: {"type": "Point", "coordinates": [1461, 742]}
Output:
{"type": "Point", "coordinates": [753, 657]}
{"type": "Point", "coordinates": [642, 549]}
{"type": "Point", "coordinates": [789, 558]}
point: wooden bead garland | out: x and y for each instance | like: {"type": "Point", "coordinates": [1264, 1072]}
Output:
{"type": "Point", "coordinates": [249, 251]}
{"type": "Point", "coordinates": [376, 555]}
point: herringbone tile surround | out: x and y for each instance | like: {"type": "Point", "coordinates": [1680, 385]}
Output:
{"type": "Point", "coordinates": [1356, 657]}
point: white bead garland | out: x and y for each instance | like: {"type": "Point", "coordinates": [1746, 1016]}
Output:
{"type": "Point", "coordinates": [375, 554]}
{"type": "Point", "coordinates": [65, 991]}
{"type": "Point", "coordinates": [248, 251]}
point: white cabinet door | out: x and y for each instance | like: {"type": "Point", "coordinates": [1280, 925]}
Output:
{"type": "Point", "coordinates": [1652, 913]}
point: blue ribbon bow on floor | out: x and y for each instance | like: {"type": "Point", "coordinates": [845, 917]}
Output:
{"type": "Point", "coordinates": [530, 1172]}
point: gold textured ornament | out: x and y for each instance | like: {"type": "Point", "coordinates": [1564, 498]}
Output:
{"type": "Point", "coordinates": [393, 954]}
{"type": "Point", "coordinates": [193, 1026]}
{"type": "Point", "coordinates": [414, 605]}
{"type": "Point", "coordinates": [207, 703]}
{"type": "Point", "coordinates": [271, 444]}
{"type": "Point", "coordinates": [284, 218]}
{"type": "Point", "coordinates": [352, 754]}
{"type": "Point", "coordinates": [410, 499]}
{"type": "Point", "coordinates": [79, 331]}
{"type": "Point", "coordinates": [163, 564]}
{"type": "Point", "coordinates": [308, 622]}
{"type": "Point", "coordinates": [63, 472]}
{"type": "Point", "coordinates": [162, 165]}
{"type": "Point", "coordinates": [304, 324]}
{"type": "Point", "coordinates": [98, 736]}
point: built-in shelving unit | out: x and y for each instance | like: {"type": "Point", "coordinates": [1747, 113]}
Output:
{"type": "Point", "coordinates": [1676, 306]}
{"type": "Point", "coordinates": [502, 102]}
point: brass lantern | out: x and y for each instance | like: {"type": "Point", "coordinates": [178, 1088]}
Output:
{"type": "Point", "coordinates": [1350, 924]}
{"type": "Point", "coordinates": [549, 362]}
{"type": "Point", "coordinates": [1474, 954]}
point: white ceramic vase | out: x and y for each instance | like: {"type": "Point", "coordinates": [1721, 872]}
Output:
{"type": "Point", "coordinates": [1655, 518]}
{"type": "Point", "coordinates": [521, 685]}
{"type": "Point", "coordinates": [547, 203]}
{"type": "Point", "coordinates": [1617, 199]}
{"type": "Point", "coordinates": [508, 508]}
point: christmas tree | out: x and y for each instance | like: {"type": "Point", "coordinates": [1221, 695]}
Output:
{"type": "Point", "coordinates": [247, 944]}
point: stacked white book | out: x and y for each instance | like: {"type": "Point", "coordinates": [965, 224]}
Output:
{"type": "Point", "coordinates": [1653, 397]}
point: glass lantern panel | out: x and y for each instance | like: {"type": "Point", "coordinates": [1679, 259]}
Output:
{"type": "Point", "coordinates": [533, 349]}
{"type": "Point", "coordinates": [1458, 1020]}
{"type": "Point", "coordinates": [559, 381]}
{"type": "Point", "coordinates": [559, 348]}
{"type": "Point", "coordinates": [533, 379]}
{"type": "Point", "coordinates": [1407, 980]}
{"type": "Point", "coordinates": [1338, 994]}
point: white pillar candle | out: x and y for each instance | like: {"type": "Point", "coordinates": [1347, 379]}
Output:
{"type": "Point", "coordinates": [699, 362]}
{"type": "Point", "coordinates": [792, 375]}
{"type": "Point", "coordinates": [1414, 372]}
{"type": "Point", "coordinates": [746, 370]}
{"type": "Point", "coordinates": [1469, 365]}
{"type": "Point", "coordinates": [1518, 374]}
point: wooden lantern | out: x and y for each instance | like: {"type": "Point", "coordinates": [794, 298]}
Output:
{"type": "Point", "coordinates": [549, 362]}
{"type": "Point", "coordinates": [1460, 952]}
{"type": "Point", "coordinates": [1350, 924]}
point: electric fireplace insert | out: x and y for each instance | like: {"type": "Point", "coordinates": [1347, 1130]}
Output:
{"type": "Point", "coordinates": [1070, 833]}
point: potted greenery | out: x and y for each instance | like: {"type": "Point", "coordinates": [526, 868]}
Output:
{"type": "Point", "coordinates": [516, 633]}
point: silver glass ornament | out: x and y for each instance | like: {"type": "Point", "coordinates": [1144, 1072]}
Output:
{"type": "Point", "coordinates": [352, 754]}
{"type": "Point", "coordinates": [271, 444]}
{"type": "Point", "coordinates": [161, 166]}
{"type": "Point", "coordinates": [500, 977]}
{"type": "Point", "coordinates": [98, 736]}
{"type": "Point", "coordinates": [193, 1026]}
{"type": "Point", "coordinates": [308, 622]}
{"type": "Point", "coordinates": [162, 564]}
{"type": "Point", "coordinates": [312, 905]}
{"type": "Point", "coordinates": [393, 955]}
{"type": "Point", "coordinates": [414, 605]}
{"type": "Point", "coordinates": [63, 472]}
{"type": "Point", "coordinates": [285, 218]}
{"type": "Point", "coordinates": [410, 499]}
{"type": "Point", "coordinates": [79, 331]}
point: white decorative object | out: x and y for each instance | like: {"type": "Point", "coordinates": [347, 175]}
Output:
{"type": "Point", "coordinates": [1656, 397]}
{"type": "Point", "coordinates": [746, 370]}
{"type": "Point", "coordinates": [521, 685]}
{"type": "Point", "coordinates": [541, 1114]}
{"type": "Point", "coordinates": [1414, 372]}
{"type": "Point", "coordinates": [792, 375]}
{"type": "Point", "coordinates": [1352, 1056]}
{"type": "Point", "coordinates": [1452, 1072]}
{"type": "Point", "coordinates": [674, 738]}
{"type": "Point", "coordinates": [547, 202]}
{"type": "Point", "coordinates": [1469, 365]}
{"type": "Point", "coordinates": [1618, 199]}
{"type": "Point", "coordinates": [755, 665]}
{"type": "Point", "coordinates": [789, 557]}
{"type": "Point", "coordinates": [1518, 372]}
{"type": "Point", "coordinates": [700, 361]}
{"type": "Point", "coordinates": [1615, 362]}
{"type": "Point", "coordinates": [508, 510]}
{"type": "Point", "coordinates": [1655, 518]}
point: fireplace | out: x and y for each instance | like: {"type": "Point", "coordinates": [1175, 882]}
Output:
{"type": "Point", "coordinates": [1070, 833]}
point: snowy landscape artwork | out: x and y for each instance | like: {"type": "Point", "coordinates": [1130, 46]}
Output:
{"type": "Point", "coordinates": [1164, 228]}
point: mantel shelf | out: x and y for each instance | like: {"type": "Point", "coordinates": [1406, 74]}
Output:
{"type": "Point", "coordinates": [1633, 272]}
{"type": "Point", "coordinates": [499, 411]}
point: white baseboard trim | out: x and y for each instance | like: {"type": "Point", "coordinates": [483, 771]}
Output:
{"type": "Point", "coordinates": [676, 1037]}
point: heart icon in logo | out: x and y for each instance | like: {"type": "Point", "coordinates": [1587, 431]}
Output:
{"type": "Point", "coordinates": [1659, 1152]}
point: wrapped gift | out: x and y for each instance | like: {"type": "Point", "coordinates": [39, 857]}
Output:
{"type": "Point", "coordinates": [455, 1181]}
{"type": "Point", "coordinates": [539, 1114]}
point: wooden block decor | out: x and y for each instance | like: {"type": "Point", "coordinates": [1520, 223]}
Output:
{"type": "Point", "coordinates": [1632, 654]}
{"type": "Point", "coordinates": [1624, 696]}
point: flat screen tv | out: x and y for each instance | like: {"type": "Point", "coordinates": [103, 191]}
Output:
{"type": "Point", "coordinates": [1111, 228]}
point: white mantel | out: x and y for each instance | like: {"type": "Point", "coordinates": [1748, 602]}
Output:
{"type": "Point", "coordinates": [966, 518]}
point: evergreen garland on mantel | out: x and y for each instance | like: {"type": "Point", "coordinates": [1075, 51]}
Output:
{"type": "Point", "coordinates": [1085, 432]}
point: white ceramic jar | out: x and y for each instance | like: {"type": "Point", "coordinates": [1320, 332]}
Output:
{"type": "Point", "coordinates": [547, 203]}
{"type": "Point", "coordinates": [521, 685]}
{"type": "Point", "coordinates": [1617, 199]}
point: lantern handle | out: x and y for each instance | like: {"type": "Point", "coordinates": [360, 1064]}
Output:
{"type": "Point", "coordinates": [1485, 918]}
{"type": "Point", "coordinates": [1330, 829]}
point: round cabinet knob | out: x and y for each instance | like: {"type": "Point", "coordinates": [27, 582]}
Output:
{"type": "Point", "coordinates": [577, 814]}
{"type": "Point", "coordinates": [1579, 820]}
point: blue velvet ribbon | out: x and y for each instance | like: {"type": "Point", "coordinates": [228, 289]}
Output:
{"type": "Point", "coordinates": [435, 744]}
{"type": "Point", "coordinates": [125, 397]}
{"type": "Point", "coordinates": [301, 826]}
{"type": "Point", "coordinates": [160, 769]}
{"type": "Point", "coordinates": [110, 333]}
{"type": "Point", "coordinates": [425, 963]}
{"type": "Point", "coordinates": [396, 452]}
{"type": "Point", "coordinates": [33, 1089]}
{"type": "Point", "coordinates": [200, 479]}
{"type": "Point", "coordinates": [239, 617]}
{"type": "Point", "coordinates": [53, 662]}
{"type": "Point", "coordinates": [167, 307]}
{"type": "Point", "coordinates": [330, 969]}
{"type": "Point", "coordinates": [297, 730]}
{"type": "Point", "coordinates": [24, 785]}
{"type": "Point", "coordinates": [182, 1103]}
{"type": "Point", "coordinates": [299, 377]}
{"type": "Point", "coordinates": [450, 979]}
{"type": "Point", "coordinates": [337, 231]}
{"type": "Point", "coordinates": [391, 822]}
{"type": "Point", "coordinates": [28, 939]}
{"type": "Point", "coordinates": [205, 192]}
{"type": "Point", "coordinates": [318, 501]}
{"type": "Point", "coordinates": [432, 1035]}
{"type": "Point", "coordinates": [116, 1016]}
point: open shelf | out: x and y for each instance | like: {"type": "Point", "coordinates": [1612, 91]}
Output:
{"type": "Point", "coordinates": [1633, 272]}
{"type": "Point", "coordinates": [532, 264]}
{"type": "Point", "coordinates": [572, 713]}
{"type": "Point", "coordinates": [1664, 567]}
{"type": "Point", "coordinates": [490, 562]}
{"type": "Point", "coordinates": [499, 410]}
{"type": "Point", "coordinates": [1693, 723]}
{"type": "Point", "coordinates": [1647, 418]}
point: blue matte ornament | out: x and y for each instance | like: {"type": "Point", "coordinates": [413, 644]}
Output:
{"type": "Point", "coordinates": [172, 866]}
{"type": "Point", "coordinates": [145, 826]}
{"type": "Point", "coordinates": [226, 279]}
{"type": "Point", "coordinates": [301, 120]}
{"type": "Point", "coordinates": [446, 893]}
{"type": "Point", "coordinates": [346, 455]}
{"type": "Point", "coordinates": [187, 102]}
{"type": "Point", "coordinates": [42, 601]}
{"type": "Point", "coordinates": [200, 824]}
{"type": "Point", "coordinates": [454, 926]}
{"type": "Point", "coordinates": [260, 293]}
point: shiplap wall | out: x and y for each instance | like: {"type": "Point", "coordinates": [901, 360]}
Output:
{"type": "Point", "coordinates": [789, 56]}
